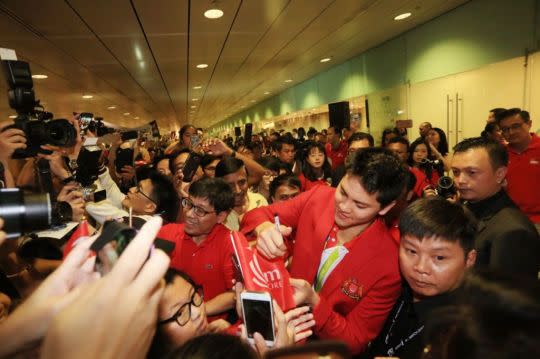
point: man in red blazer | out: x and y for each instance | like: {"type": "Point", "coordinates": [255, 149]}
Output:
{"type": "Point", "coordinates": [345, 263]}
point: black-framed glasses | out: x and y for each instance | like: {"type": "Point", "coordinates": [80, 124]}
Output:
{"type": "Point", "coordinates": [183, 314]}
{"type": "Point", "coordinates": [512, 127]}
{"type": "Point", "coordinates": [199, 211]}
{"type": "Point", "coordinates": [139, 190]}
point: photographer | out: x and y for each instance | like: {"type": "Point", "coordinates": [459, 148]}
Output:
{"type": "Point", "coordinates": [10, 140]}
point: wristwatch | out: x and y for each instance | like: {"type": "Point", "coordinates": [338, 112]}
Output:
{"type": "Point", "coordinates": [73, 165]}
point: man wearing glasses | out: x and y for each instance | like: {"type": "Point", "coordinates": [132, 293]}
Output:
{"type": "Point", "coordinates": [203, 247]}
{"type": "Point", "coordinates": [150, 196]}
{"type": "Point", "coordinates": [524, 162]}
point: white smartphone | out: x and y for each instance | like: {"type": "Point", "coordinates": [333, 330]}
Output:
{"type": "Point", "coordinates": [258, 315]}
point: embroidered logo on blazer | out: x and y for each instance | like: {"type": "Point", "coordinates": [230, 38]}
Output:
{"type": "Point", "coordinates": [352, 289]}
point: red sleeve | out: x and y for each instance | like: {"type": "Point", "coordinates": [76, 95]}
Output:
{"type": "Point", "coordinates": [364, 322]}
{"type": "Point", "coordinates": [228, 267]}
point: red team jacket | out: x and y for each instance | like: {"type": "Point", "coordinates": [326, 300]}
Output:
{"type": "Point", "coordinates": [359, 294]}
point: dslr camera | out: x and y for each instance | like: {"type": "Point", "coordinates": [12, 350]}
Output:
{"type": "Point", "coordinates": [445, 187]}
{"type": "Point", "coordinates": [23, 213]}
{"type": "Point", "coordinates": [38, 126]}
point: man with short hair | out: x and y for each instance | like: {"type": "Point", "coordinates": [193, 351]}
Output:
{"type": "Point", "coordinates": [336, 149]}
{"type": "Point", "coordinates": [234, 172]}
{"type": "Point", "coordinates": [435, 252]}
{"type": "Point", "coordinates": [356, 141]}
{"type": "Point", "coordinates": [506, 239]}
{"type": "Point", "coordinates": [524, 162]}
{"type": "Point", "coordinates": [494, 114]}
{"type": "Point", "coordinates": [424, 128]}
{"type": "Point", "coordinates": [203, 246]}
{"type": "Point", "coordinates": [284, 187]}
{"type": "Point", "coordinates": [345, 260]}
{"type": "Point", "coordinates": [284, 149]}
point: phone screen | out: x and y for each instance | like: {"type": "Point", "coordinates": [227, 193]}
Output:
{"type": "Point", "coordinates": [258, 318]}
{"type": "Point", "coordinates": [191, 166]}
{"type": "Point", "coordinates": [195, 139]}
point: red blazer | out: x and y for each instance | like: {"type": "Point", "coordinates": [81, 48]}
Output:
{"type": "Point", "coordinates": [359, 294]}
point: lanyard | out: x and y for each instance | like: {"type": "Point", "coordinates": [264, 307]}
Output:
{"type": "Point", "coordinates": [403, 341]}
{"type": "Point", "coordinates": [331, 242]}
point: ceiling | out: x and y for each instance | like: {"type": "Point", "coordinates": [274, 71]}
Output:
{"type": "Point", "coordinates": [140, 56]}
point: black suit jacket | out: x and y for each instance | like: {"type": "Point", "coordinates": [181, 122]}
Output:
{"type": "Point", "coordinates": [506, 240]}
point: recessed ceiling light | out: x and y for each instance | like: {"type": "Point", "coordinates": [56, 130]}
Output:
{"type": "Point", "coordinates": [326, 59]}
{"type": "Point", "coordinates": [194, 99]}
{"type": "Point", "coordinates": [402, 16]}
{"type": "Point", "coordinates": [252, 101]}
{"type": "Point", "coordinates": [267, 93]}
{"type": "Point", "coordinates": [288, 80]}
{"type": "Point", "coordinates": [213, 13]}
{"type": "Point", "coordinates": [197, 87]}
{"type": "Point", "coordinates": [111, 107]}
{"type": "Point", "coordinates": [202, 66]}
{"type": "Point", "coordinates": [136, 118]}
{"type": "Point", "coordinates": [13, 116]}
{"type": "Point", "coordinates": [39, 76]}
{"type": "Point", "coordinates": [87, 96]}
{"type": "Point", "coordinates": [193, 106]}
{"type": "Point", "coordinates": [126, 114]}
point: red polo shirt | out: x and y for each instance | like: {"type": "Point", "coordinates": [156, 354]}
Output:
{"type": "Point", "coordinates": [421, 181]}
{"type": "Point", "coordinates": [208, 264]}
{"type": "Point", "coordinates": [337, 156]}
{"type": "Point", "coordinates": [523, 178]}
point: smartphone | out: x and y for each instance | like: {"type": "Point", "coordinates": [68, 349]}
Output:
{"type": "Point", "coordinates": [258, 315]}
{"type": "Point", "coordinates": [110, 244]}
{"type": "Point", "coordinates": [248, 130]}
{"type": "Point", "coordinates": [129, 135]}
{"type": "Point", "coordinates": [191, 166]}
{"type": "Point", "coordinates": [84, 119]}
{"type": "Point", "coordinates": [195, 139]}
{"type": "Point", "coordinates": [124, 157]}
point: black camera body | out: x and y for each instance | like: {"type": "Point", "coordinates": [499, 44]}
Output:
{"type": "Point", "coordinates": [445, 187]}
{"type": "Point", "coordinates": [38, 126]}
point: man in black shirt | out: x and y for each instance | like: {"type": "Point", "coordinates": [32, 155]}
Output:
{"type": "Point", "coordinates": [435, 252]}
{"type": "Point", "coordinates": [506, 240]}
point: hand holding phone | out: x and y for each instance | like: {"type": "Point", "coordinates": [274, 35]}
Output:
{"type": "Point", "coordinates": [258, 316]}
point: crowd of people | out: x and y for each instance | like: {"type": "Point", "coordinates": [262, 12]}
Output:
{"type": "Point", "coordinates": [407, 249]}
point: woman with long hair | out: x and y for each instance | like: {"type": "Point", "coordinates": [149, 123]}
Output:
{"type": "Point", "coordinates": [439, 146]}
{"type": "Point", "coordinates": [421, 157]}
{"type": "Point", "coordinates": [316, 168]}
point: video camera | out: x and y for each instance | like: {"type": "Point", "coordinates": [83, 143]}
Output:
{"type": "Point", "coordinates": [94, 125]}
{"type": "Point", "coordinates": [432, 165]}
{"type": "Point", "coordinates": [38, 126]}
{"type": "Point", "coordinates": [23, 213]}
{"type": "Point", "coordinates": [445, 187]}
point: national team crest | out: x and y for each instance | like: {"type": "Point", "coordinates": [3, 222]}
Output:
{"type": "Point", "coordinates": [352, 289]}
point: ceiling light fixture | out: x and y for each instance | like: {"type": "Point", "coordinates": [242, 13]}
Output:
{"type": "Point", "coordinates": [202, 66]}
{"type": "Point", "coordinates": [326, 59]}
{"type": "Point", "coordinates": [39, 76]}
{"type": "Point", "coordinates": [267, 93]}
{"type": "Point", "coordinates": [111, 108]}
{"type": "Point", "coordinates": [126, 114]}
{"type": "Point", "coordinates": [288, 80]}
{"type": "Point", "coordinates": [197, 87]}
{"type": "Point", "coordinates": [213, 13]}
{"type": "Point", "coordinates": [402, 16]}
{"type": "Point", "coordinates": [136, 117]}
{"type": "Point", "coordinates": [193, 106]}
{"type": "Point", "coordinates": [13, 116]}
{"type": "Point", "coordinates": [87, 96]}
{"type": "Point", "coordinates": [194, 99]}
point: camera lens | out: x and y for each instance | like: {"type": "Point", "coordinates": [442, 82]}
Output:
{"type": "Point", "coordinates": [60, 133]}
{"type": "Point", "coordinates": [24, 213]}
{"type": "Point", "coordinates": [446, 182]}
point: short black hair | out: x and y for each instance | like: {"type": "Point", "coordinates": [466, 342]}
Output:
{"type": "Point", "coordinates": [158, 159]}
{"type": "Point", "coordinates": [228, 165]}
{"type": "Point", "coordinates": [399, 139]}
{"type": "Point", "coordinates": [512, 112]}
{"type": "Point", "coordinates": [207, 159]}
{"type": "Point", "coordinates": [165, 196]}
{"type": "Point", "coordinates": [286, 139]}
{"type": "Point", "coordinates": [218, 193]}
{"type": "Point", "coordinates": [284, 179]}
{"type": "Point", "coordinates": [381, 172]}
{"type": "Point", "coordinates": [360, 136]}
{"type": "Point", "coordinates": [498, 156]}
{"type": "Point", "coordinates": [274, 164]}
{"type": "Point", "coordinates": [437, 217]}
